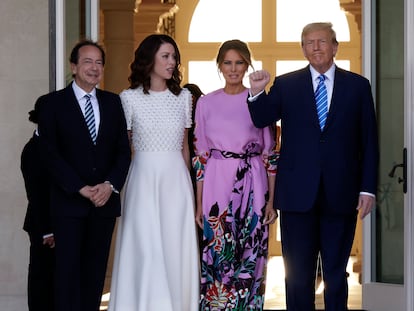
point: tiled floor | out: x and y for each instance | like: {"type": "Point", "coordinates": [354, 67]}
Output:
{"type": "Point", "coordinates": [275, 288]}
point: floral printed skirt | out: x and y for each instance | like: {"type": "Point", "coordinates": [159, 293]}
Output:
{"type": "Point", "coordinates": [235, 248]}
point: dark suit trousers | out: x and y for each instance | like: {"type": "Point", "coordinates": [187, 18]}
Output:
{"type": "Point", "coordinates": [40, 283]}
{"type": "Point", "coordinates": [82, 250]}
{"type": "Point", "coordinates": [305, 235]}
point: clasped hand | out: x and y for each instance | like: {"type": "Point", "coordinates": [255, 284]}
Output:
{"type": "Point", "coordinates": [98, 194]}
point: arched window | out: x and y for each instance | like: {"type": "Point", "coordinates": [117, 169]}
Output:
{"type": "Point", "coordinates": [271, 28]}
{"type": "Point", "coordinates": [221, 20]}
{"type": "Point", "coordinates": [289, 26]}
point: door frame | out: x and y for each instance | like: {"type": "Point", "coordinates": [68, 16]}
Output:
{"type": "Point", "coordinates": [378, 296]}
{"type": "Point", "coordinates": [409, 141]}
{"type": "Point", "coordinates": [92, 31]}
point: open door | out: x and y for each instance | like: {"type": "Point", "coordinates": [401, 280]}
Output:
{"type": "Point", "coordinates": [387, 281]}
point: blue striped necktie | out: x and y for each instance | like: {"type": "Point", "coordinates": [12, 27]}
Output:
{"type": "Point", "coordinates": [321, 98]}
{"type": "Point", "coordinates": [90, 118]}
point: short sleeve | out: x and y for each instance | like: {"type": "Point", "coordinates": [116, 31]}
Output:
{"type": "Point", "coordinates": [126, 105]}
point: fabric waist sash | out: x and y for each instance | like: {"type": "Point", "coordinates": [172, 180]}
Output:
{"type": "Point", "coordinates": [252, 150]}
{"type": "Point", "coordinates": [242, 192]}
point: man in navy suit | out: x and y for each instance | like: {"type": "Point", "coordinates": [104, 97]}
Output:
{"type": "Point", "coordinates": [37, 224]}
{"type": "Point", "coordinates": [88, 170]}
{"type": "Point", "coordinates": [326, 173]}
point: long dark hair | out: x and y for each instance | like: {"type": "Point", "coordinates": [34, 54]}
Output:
{"type": "Point", "coordinates": [144, 60]}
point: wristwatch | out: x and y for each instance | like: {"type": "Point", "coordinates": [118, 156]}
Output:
{"type": "Point", "coordinates": [112, 186]}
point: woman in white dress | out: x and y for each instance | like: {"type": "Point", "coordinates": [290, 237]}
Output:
{"type": "Point", "coordinates": [156, 256]}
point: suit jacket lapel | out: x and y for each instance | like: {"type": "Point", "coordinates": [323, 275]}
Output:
{"type": "Point", "coordinates": [102, 114]}
{"type": "Point", "coordinates": [73, 105]}
{"type": "Point", "coordinates": [306, 79]}
{"type": "Point", "coordinates": [339, 88]}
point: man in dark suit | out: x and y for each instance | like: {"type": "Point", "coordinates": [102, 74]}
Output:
{"type": "Point", "coordinates": [87, 151]}
{"type": "Point", "coordinates": [37, 224]}
{"type": "Point", "coordinates": [327, 168]}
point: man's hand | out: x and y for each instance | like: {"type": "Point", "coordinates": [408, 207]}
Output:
{"type": "Point", "coordinates": [258, 81]}
{"type": "Point", "coordinates": [365, 205]}
{"type": "Point", "coordinates": [87, 192]}
{"type": "Point", "coordinates": [102, 193]}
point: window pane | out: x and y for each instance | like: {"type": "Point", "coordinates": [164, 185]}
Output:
{"type": "Point", "coordinates": [206, 75]}
{"type": "Point", "coordinates": [75, 29]}
{"type": "Point", "coordinates": [220, 20]}
{"type": "Point", "coordinates": [289, 27]}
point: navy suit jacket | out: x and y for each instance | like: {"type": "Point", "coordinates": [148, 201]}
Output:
{"type": "Point", "coordinates": [344, 155]}
{"type": "Point", "coordinates": [72, 158]}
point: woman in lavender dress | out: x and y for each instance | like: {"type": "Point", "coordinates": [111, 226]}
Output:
{"type": "Point", "coordinates": [234, 190]}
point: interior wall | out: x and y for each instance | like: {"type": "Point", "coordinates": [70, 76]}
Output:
{"type": "Point", "coordinates": [24, 75]}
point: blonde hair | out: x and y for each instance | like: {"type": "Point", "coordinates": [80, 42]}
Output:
{"type": "Point", "coordinates": [312, 27]}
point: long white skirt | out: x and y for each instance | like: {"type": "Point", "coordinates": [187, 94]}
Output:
{"type": "Point", "coordinates": [156, 255]}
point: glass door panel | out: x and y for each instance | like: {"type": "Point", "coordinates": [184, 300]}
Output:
{"type": "Point", "coordinates": [76, 26]}
{"type": "Point", "coordinates": [74, 20]}
{"type": "Point", "coordinates": [389, 267]}
{"type": "Point", "coordinates": [385, 291]}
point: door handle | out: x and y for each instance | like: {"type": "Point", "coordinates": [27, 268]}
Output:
{"type": "Point", "coordinates": [404, 167]}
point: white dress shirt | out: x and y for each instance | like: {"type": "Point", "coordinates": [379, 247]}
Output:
{"type": "Point", "coordinates": [80, 96]}
{"type": "Point", "coordinates": [329, 81]}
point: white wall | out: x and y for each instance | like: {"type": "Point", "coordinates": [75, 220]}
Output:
{"type": "Point", "coordinates": [24, 66]}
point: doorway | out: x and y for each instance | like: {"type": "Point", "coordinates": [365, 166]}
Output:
{"type": "Point", "coordinates": [388, 278]}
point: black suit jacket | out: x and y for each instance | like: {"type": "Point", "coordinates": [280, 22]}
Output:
{"type": "Point", "coordinates": [344, 155]}
{"type": "Point", "coordinates": [72, 158]}
{"type": "Point", "coordinates": [37, 221]}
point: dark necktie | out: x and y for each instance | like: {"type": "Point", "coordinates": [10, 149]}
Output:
{"type": "Point", "coordinates": [90, 118]}
{"type": "Point", "coordinates": [321, 97]}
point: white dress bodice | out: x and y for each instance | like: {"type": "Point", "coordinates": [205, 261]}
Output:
{"type": "Point", "coordinates": [157, 119]}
